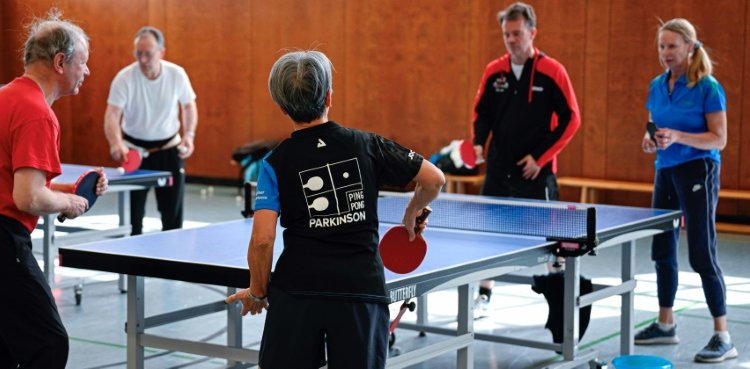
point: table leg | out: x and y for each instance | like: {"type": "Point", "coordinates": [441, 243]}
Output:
{"type": "Point", "coordinates": [123, 211]}
{"type": "Point", "coordinates": [48, 244]}
{"type": "Point", "coordinates": [136, 321]}
{"type": "Point", "coordinates": [627, 311]}
{"type": "Point", "coordinates": [422, 311]}
{"type": "Point", "coordinates": [465, 356]}
{"type": "Point", "coordinates": [234, 327]}
{"type": "Point", "coordinates": [570, 307]}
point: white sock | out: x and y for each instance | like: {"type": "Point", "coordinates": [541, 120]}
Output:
{"type": "Point", "coordinates": [665, 327]}
{"type": "Point", "coordinates": [724, 335]}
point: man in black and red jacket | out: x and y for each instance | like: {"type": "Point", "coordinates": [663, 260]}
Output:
{"type": "Point", "coordinates": [526, 102]}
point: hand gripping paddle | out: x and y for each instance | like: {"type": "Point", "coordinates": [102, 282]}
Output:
{"type": "Point", "coordinates": [131, 163]}
{"type": "Point", "coordinates": [85, 187]}
{"type": "Point", "coordinates": [468, 155]}
{"type": "Point", "coordinates": [398, 254]}
{"type": "Point", "coordinates": [651, 129]}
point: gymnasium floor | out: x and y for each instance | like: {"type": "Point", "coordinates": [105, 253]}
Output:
{"type": "Point", "coordinates": [97, 338]}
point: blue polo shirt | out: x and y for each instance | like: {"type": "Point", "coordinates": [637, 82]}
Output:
{"type": "Point", "coordinates": [684, 111]}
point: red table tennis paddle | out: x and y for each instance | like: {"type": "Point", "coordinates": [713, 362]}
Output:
{"type": "Point", "coordinates": [131, 163]}
{"type": "Point", "coordinates": [85, 187]}
{"type": "Point", "coordinates": [398, 254]}
{"type": "Point", "coordinates": [468, 155]}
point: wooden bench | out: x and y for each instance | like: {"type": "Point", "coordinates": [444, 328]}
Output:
{"type": "Point", "coordinates": [590, 186]}
{"type": "Point", "coordinates": [457, 184]}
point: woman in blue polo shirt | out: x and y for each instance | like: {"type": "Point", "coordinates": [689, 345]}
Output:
{"type": "Point", "coordinates": [688, 106]}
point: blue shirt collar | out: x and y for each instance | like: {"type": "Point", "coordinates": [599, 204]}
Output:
{"type": "Point", "coordinates": [681, 80]}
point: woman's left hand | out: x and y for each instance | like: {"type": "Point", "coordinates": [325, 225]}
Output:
{"type": "Point", "coordinates": [249, 305]}
{"type": "Point", "coordinates": [665, 137]}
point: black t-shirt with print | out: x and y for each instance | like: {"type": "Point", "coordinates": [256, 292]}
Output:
{"type": "Point", "coordinates": [328, 179]}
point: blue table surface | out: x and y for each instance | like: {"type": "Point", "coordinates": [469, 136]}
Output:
{"type": "Point", "coordinates": [71, 172]}
{"type": "Point", "coordinates": [225, 244]}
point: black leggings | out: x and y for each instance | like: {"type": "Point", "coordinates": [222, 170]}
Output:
{"type": "Point", "coordinates": [31, 332]}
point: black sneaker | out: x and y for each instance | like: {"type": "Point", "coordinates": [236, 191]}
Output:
{"type": "Point", "coordinates": [653, 335]}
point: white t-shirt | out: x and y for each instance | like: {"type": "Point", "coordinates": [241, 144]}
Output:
{"type": "Point", "coordinates": [150, 110]}
{"type": "Point", "coordinates": [517, 70]}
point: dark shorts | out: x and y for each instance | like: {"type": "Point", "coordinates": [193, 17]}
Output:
{"type": "Point", "coordinates": [299, 331]}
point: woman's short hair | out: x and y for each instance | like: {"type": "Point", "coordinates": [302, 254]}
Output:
{"type": "Point", "coordinates": [299, 82]}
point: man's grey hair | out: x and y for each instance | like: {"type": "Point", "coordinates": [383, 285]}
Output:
{"type": "Point", "coordinates": [153, 31]}
{"type": "Point", "coordinates": [50, 36]}
{"type": "Point", "coordinates": [299, 82]}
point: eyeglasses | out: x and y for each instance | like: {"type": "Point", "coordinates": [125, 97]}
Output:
{"type": "Point", "coordinates": [148, 54]}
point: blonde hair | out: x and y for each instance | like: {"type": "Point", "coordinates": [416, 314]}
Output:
{"type": "Point", "coordinates": [700, 64]}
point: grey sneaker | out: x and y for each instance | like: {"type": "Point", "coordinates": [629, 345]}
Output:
{"type": "Point", "coordinates": [481, 306]}
{"type": "Point", "coordinates": [716, 351]}
{"type": "Point", "coordinates": [653, 335]}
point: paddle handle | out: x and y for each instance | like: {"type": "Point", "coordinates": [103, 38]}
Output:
{"type": "Point", "coordinates": [422, 217]}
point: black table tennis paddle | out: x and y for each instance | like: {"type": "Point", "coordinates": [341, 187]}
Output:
{"type": "Point", "coordinates": [85, 187]}
{"type": "Point", "coordinates": [651, 129]}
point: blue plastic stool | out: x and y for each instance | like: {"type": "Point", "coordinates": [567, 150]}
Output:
{"type": "Point", "coordinates": [641, 362]}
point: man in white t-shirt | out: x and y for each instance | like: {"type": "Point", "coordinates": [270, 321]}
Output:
{"type": "Point", "coordinates": [143, 113]}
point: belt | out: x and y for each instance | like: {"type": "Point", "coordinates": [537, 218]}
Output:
{"type": "Point", "coordinates": [176, 139]}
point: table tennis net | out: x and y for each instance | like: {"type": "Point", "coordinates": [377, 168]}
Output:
{"type": "Point", "coordinates": [553, 221]}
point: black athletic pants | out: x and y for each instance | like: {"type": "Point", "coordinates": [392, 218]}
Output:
{"type": "Point", "coordinates": [169, 200]}
{"type": "Point", "coordinates": [31, 332]}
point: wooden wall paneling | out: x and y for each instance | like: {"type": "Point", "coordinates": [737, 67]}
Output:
{"type": "Point", "coordinates": [4, 78]}
{"type": "Point", "coordinates": [216, 56]}
{"type": "Point", "coordinates": [632, 63]}
{"type": "Point", "coordinates": [380, 93]}
{"type": "Point", "coordinates": [63, 107]}
{"type": "Point", "coordinates": [562, 36]}
{"type": "Point", "coordinates": [594, 97]}
{"type": "Point", "coordinates": [743, 131]}
{"type": "Point", "coordinates": [157, 12]}
{"type": "Point", "coordinates": [111, 27]}
{"type": "Point", "coordinates": [289, 25]}
{"type": "Point", "coordinates": [721, 42]}
{"type": "Point", "coordinates": [16, 14]}
{"type": "Point", "coordinates": [404, 72]}
{"type": "Point", "coordinates": [483, 43]}
{"type": "Point", "coordinates": [411, 81]}
{"type": "Point", "coordinates": [362, 66]}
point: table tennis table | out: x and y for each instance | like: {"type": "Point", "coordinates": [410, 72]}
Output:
{"type": "Point", "coordinates": [119, 183]}
{"type": "Point", "coordinates": [456, 258]}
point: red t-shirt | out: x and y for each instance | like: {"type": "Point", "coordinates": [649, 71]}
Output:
{"type": "Point", "coordinates": [29, 137]}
